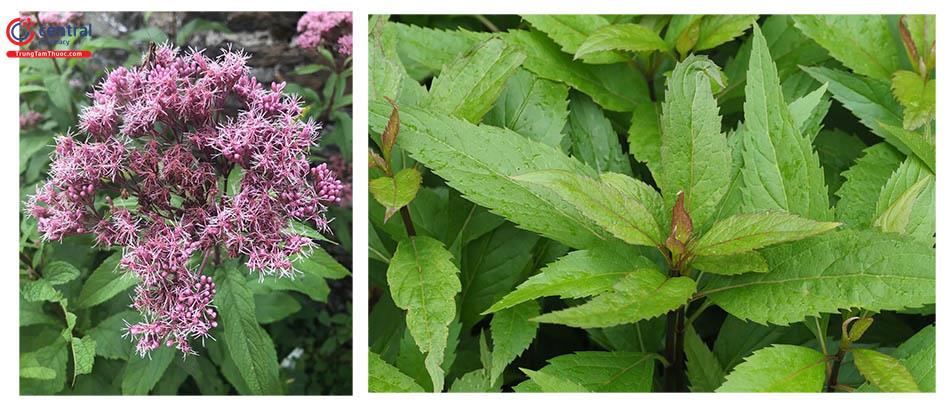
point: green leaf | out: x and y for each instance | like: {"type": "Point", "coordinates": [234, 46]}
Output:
{"type": "Point", "coordinates": [747, 262]}
{"type": "Point", "coordinates": [59, 91]}
{"type": "Point", "coordinates": [837, 151]}
{"type": "Point", "coordinates": [398, 191]}
{"type": "Point", "coordinates": [84, 355]}
{"type": "Point", "coordinates": [32, 313]}
{"type": "Point", "coordinates": [884, 372]}
{"type": "Point", "coordinates": [644, 135]}
{"type": "Point", "coordinates": [839, 270]}
{"type": "Point", "coordinates": [39, 290]}
{"type": "Point", "coordinates": [30, 368]}
{"type": "Point", "coordinates": [861, 42]}
{"type": "Point", "coordinates": [747, 232]}
{"type": "Point", "coordinates": [105, 282]}
{"type": "Point", "coordinates": [808, 111]}
{"type": "Point", "coordinates": [141, 374]}
{"type": "Point", "coordinates": [620, 214]}
{"type": "Point", "coordinates": [571, 31]}
{"type": "Point", "coordinates": [309, 69]}
{"type": "Point", "coordinates": [424, 281]}
{"type": "Point", "coordinates": [917, 95]}
{"type": "Point", "coordinates": [694, 156]}
{"type": "Point", "coordinates": [313, 269]}
{"type": "Point", "coordinates": [467, 88]}
{"type": "Point", "coordinates": [109, 344]}
{"type": "Point", "coordinates": [702, 368]}
{"type": "Point", "coordinates": [389, 78]}
{"type": "Point", "coordinates": [478, 161]}
{"type": "Point", "coordinates": [234, 180]}
{"type": "Point", "coordinates": [424, 51]}
{"type": "Point", "coordinates": [248, 345]}
{"type": "Point", "coordinates": [621, 37]}
{"type": "Point", "coordinates": [198, 25]}
{"type": "Point", "coordinates": [274, 306]}
{"type": "Point", "coordinates": [863, 183]}
{"type": "Point", "coordinates": [512, 331]}
{"type": "Point", "coordinates": [923, 145]}
{"type": "Point", "coordinates": [475, 381]}
{"type": "Point", "coordinates": [918, 354]}
{"type": "Point", "coordinates": [642, 294]}
{"type": "Point", "coordinates": [600, 371]}
{"type": "Point", "coordinates": [779, 368]}
{"type": "Point", "coordinates": [532, 107]}
{"type": "Point", "coordinates": [683, 32]}
{"type": "Point", "coordinates": [593, 140]}
{"type": "Point", "coordinates": [780, 169]}
{"type": "Point", "coordinates": [715, 30]}
{"type": "Point", "coordinates": [386, 378]}
{"type": "Point", "coordinates": [617, 87]}
{"type": "Point", "coordinates": [60, 272]}
{"type": "Point", "coordinates": [53, 357]}
{"type": "Point", "coordinates": [907, 201]}
{"type": "Point", "coordinates": [553, 384]}
{"type": "Point", "coordinates": [868, 99]}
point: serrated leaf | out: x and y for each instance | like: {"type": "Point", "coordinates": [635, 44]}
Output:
{"type": "Point", "coordinates": [424, 281]}
{"type": "Point", "coordinates": [642, 294]}
{"type": "Point", "coordinates": [622, 215]}
{"type": "Point", "coordinates": [554, 384]}
{"type": "Point", "coordinates": [512, 331]}
{"type": "Point", "coordinates": [533, 107]}
{"type": "Point", "coordinates": [313, 270]}
{"type": "Point", "coordinates": [247, 344]}
{"type": "Point", "coordinates": [715, 30]}
{"type": "Point", "coordinates": [918, 355]}
{"type": "Point", "coordinates": [570, 31]}
{"type": "Point", "coordinates": [837, 151]}
{"type": "Point", "coordinates": [581, 273]}
{"type": "Point", "coordinates": [808, 111]}
{"type": "Point", "coordinates": [32, 313]}
{"type": "Point", "coordinates": [780, 169]}
{"type": "Point", "coordinates": [386, 378]}
{"type": "Point", "coordinates": [918, 97]}
{"type": "Point", "coordinates": [105, 282]}
{"type": "Point", "coordinates": [475, 381]}
{"type": "Point", "coordinates": [863, 182]}
{"type": "Point", "coordinates": [468, 87]}
{"type": "Point", "coordinates": [424, 51]}
{"type": "Point", "coordinates": [30, 368]}
{"type": "Point", "coordinates": [779, 368]}
{"type": "Point", "coordinates": [397, 191]}
{"type": "Point", "coordinates": [600, 371]}
{"type": "Point", "coordinates": [702, 368]}
{"type": "Point", "coordinates": [478, 161]}
{"type": "Point", "coordinates": [921, 144]}
{"type": "Point", "coordinates": [141, 374]}
{"type": "Point", "coordinates": [274, 306]}
{"type": "Point", "coordinates": [60, 272]}
{"type": "Point", "coordinates": [593, 140]}
{"type": "Point", "coordinates": [884, 372]}
{"type": "Point", "coordinates": [694, 156]}
{"type": "Point", "coordinates": [84, 355]}
{"type": "Point", "coordinates": [907, 201]}
{"type": "Point", "coordinates": [389, 78]}
{"type": "Point", "coordinates": [621, 37]}
{"type": "Point", "coordinates": [861, 42]}
{"type": "Point", "coordinates": [109, 342]}
{"type": "Point", "coordinates": [751, 231]}
{"type": "Point", "coordinates": [844, 269]}
{"type": "Point", "coordinates": [617, 87]}
{"type": "Point", "coordinates": [644, 135]}
{"type": "Point", "coordinates": [53, 357]}
{"type": "Point", "coordinates": [39, 290]}
{"type": "Point", "coordinates": [747, 262]}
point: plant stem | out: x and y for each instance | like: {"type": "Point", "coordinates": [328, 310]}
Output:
{"type": "Point", "coordinates": [835, 368]}
{"type": "Point", "coordinates": [674, 372]}
{"type": "Point", "coordinates": [407, 221]}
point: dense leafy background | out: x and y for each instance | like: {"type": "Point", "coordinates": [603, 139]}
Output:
{"type": "Point", "coordinates": [280, 337]}
{"type": "Point", "coordinates": [542, 143]}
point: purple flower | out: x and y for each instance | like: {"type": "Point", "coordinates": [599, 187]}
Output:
{"type": "Point", "coordinates": [315, 26]}
{"type": "Point", "coordinates": [168, 134]}
{"type": "Point", "coordinates": [59, 17]}
{"type": "Point", "coordinates": [30, 119]}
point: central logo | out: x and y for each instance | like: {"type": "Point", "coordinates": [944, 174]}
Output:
{"type": "Point", "coordinates": [19, 32]}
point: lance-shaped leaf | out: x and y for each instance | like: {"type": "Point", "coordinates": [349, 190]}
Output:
{"type": "Point", "coordinates": [600, 371]}
{"type": "Point", "coordinates": [917, 95]}
{"type": "Point", "coordinates": [845, 269]}
{"type": "Point", "coordinates": [694, 156]}
{"type": "Point", "coordinates": [386, 378]}
{"type": "Point", "coordinates": [388, 78]}
{"type": "Point", "coordinates": [644, 137]}
{"type": "Point", "coordinates": [863, 183]}
{"type": "Point", "coordinates": [468, 88]}
{"type": "Point", "coordinates": [621, 37]}
{"type": "Point", "coordinates": [105, 282]}
{"type": "Point", "coordinates": [398, 191]}
{"type": "Point", "coordinates": [581, 273]}
{"type": "Point", "coordinates": [808, 111]}
{"type": "Point", "coordinates": [703, 370]}
{"type": "Point", "coordinates": [747, 262]}
{"type": "Point", "coordinates": [746, 232]}
{"type": "Point", "coordinates": [554, 384]}
{"type": "Point", "coordinates": [884, 372]}
{"type": "Point", "coordinates": [861, 42]}
{"type": "Point", "coordinates": [424, 281]}
{"type": "Point", "coordinates": [571, 31]}
{"type": "Point", "coordinates": [533, 107]}
{"type": "Point", "coordinates": [593, 139]}
{"type": "Point", "coordinates": [919, 355]}
{"type": "Point", "coordinates": [779, 368]}
{"type": "Point", "coordinates": [780, 169]}
{"type": "Point", "coordinates": [478, 161]}
{"type": "Point", "coordinates": [512, 331]}
{"type": "Point", "coordinates": [906, 203]}
{"type": "Point", "coordinates": [921, 144]}
{"type": "Point", "coordinates": [624, 216]}
{"type": "Point", "coordinates": [425, 51]}
{"type": "Point", "coordinates": [642, 294]}
{"type": "Point", "coordinates": [84, 355]}
{"type": "Point", "coordinates": [715, 30]}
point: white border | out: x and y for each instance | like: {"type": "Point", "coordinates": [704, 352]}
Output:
{"type": "Point", "coordinates": [9, 229]}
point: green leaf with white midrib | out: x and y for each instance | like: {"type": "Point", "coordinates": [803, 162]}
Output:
{"type": "Point", "coordinates": [779, 368]}
{"type": "Point", "coordinates": [884, 372]}
{"type": "Point", "coordinates": [622, 215]}
{"type": "Point", "coordinates": [600, 371]}
{"type": "Point", "coordinates": [581, 273]}
{"type": "Point", "coordinates": [468, 87]}
{"type": "Point", "coordinates": [861, 42]}
{"type": "Point", "coordinates": [478, 161]}
{"type": "Point", "coordinates": [694, 155]}
{"type": "Point", "coordinates": [640, 295]}
{"type": "Point", "coordinates": [780, 168]}
{"type": "Point", "coordinates": [386, 378]}
{"type": "Point", "coordinates": [845, 269]}
{"type": "Point", "coordinates": [512, 331]}
{"type": "Point", "coordinates": [750, 231]}
{"type": "Point", "coordinates": [424, 281]}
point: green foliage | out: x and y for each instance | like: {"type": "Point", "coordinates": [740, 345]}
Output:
{"type": "Point", "coordinates": [631, 216]}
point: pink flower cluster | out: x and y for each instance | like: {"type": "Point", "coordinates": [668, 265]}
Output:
{"type": "Point", "coordinates": [54, 17]}
{"type": "Point", "coordinates": [315, 26]}
{"type": "Point", "coordinates": [344, 170]}
{"type": "Point", "coordinates": [30, 118]}
{"type": "Point", "coordinates": [168, 134]}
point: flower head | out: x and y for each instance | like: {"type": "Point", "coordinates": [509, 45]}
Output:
{"type": "Point", "coordinates": [316, 26]}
